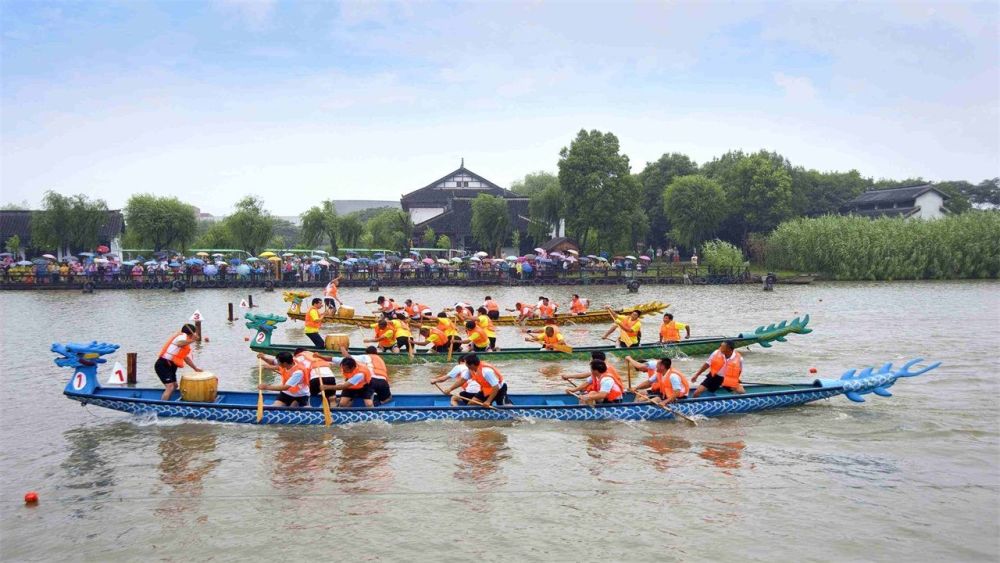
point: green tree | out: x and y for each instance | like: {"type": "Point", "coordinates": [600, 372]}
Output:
{"type": "Point", "coordinates": [603, 199]}
{"type": "Point", "coordinates": [68, 222]}
{"type": "Point", "coordinates": [444, 242]}
{"type": "Point", "coordinates": [286, 234]}
{"type": "Point", "coordinates": [391, 228]}
{"type": "Point", "coordinates": [215, 234]}
{"type": "Point", "coordinates": [759, 186]}
{"type": "Point", "coordinates": [985, 193]}
{"type": "Point", "coordinates": [429, 237]}
{"type": "Point", "coordinates": [160, 222]}
{"type": "Point", "coordinates": [250, 226]}
{"type": "Point", "coordinates": [13, 244]}
{"type": "Point", "coordinates": [655, 178]}
{"type": "Point", "coordinates": [546, 209]}
{"type": "Point", "coordinates": [350, 230]}
{"type": "Point", "coordinates": [490, 222]}
{"type": "Point", "coordinates": [695, 206]}
{"type": "Point", "coordinates": [817, 193]}
{"type": "Point", "coordinates": [534, 183]}
{"type": "Point", "coordinates": [320, 223]}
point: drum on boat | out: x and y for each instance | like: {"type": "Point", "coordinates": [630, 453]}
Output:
{"type": "Point", "coordinates": [336, 341]}
{"type": "Point", "coordinates": [199, 387]}
{"type": "Point", "coordinates": [346, 312]}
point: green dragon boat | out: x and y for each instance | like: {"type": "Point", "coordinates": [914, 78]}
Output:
{"type": "Point", "coordinates": [763, 335]}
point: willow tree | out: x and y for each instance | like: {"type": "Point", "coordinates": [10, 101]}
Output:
{"type": "Point", "coordinates": [250, 226]}
{"type": "Point", "coordinates": [160, 222]}
{"type": "Point", "coordinates": [68, 222]}
{"type": "Point", "coordinates": [320, 223]}
{"type": "Point", "coordinates": [490, 222]}
{"type": "Point", "coordinates": [695, 206]}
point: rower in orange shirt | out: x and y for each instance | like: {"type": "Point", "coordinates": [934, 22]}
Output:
{"type": "Point", "coordinates": [578, 306]}
{"type": "Point", "coordinates": [725, 366]}
{"type": "Point", "coordinates": [492, 308]}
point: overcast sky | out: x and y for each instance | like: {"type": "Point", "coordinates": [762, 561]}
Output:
{"type": "Point", "coordinates": [298, 101]}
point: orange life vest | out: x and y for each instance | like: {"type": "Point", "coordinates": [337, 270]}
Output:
{"type": "Point", "coordinates": [617, 390]}
{"type": "Point", "coordinates": [550, 341]}
{"type": "Point", "coordinates": [730, 369]}
{"type": "Point", "coordinates": [173, 353]}
{"type": "Point", "coordinates": [576, 306]}
{"type": "Point", "coordinates": [664, 388]}
{"type": "Point", "coordinates": [479, 338]}
{"type": "Point", "coordinates": [362, 369]}
{"type": "Point", "coordinates": [378, 367]}
{"type": "Point", "coordinates": [302, 388]}
{"type": "Point", "coordinates": [669, 332]}
{"type": "Point", "coordinates": [484, 385]}
{"type": "Point", "coordinates": [437, 337]}
{"type": "Point", "coordinates": [385, 336]}
{"type": "Point", "coordinates": [491, 305]}
{"type": "Point", "coordinates": [313, 320]}
{"type": "Point", "coordinates": [546, 311]}
{"type": "Point", "coordinates": [388, 306]}
{"type": "Point", "coordinates": [448, 327]}
{"type": "Point", "coordinates": [416, 310]}
{"type": "Point", "coordinates": [595, 385]}
{"type": "Point", "coordinates": [331, 290]}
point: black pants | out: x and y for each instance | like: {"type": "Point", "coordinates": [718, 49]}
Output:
{"type": "Point", "coordinates": [316, 339]}
{"type": "Point", "coordinates": [328, 381]}
{"type": "Point", "coordinates": [500, 399]}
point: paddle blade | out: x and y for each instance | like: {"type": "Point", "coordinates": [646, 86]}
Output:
{"type": "Point", "coordinates": [260, 392]}
{"type": "Point", "coordinates": [565, 349]}
{"type": "Point", "coordinates": [327, 417]}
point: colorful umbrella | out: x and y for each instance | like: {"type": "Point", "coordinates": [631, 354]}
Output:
{"type": "Point", "coordinates": [644, 257]}
{"type": "Point", "coordinates": [323, 263]}
{"type": "Point", "coordinates": [201, 253]}
{"type": "Point", "coordinates": [24, 263]}
{"type": "Point", "coordinates": [428, 260]}
{"type": "Point", "coordinates": [211, 270]}
{"type": "Point", "coordinates": [511, 258]}
{"type": "Point", "coordinates": [100, 260]}
{"type": "Point", "coordinates": [540, 250]}
{"type": "Point", "coordinates": [174, 265]}
{"type": "Point", "coordinates": [442, 261]}
{"type": "Point", "coordinates": [86, 254]}
{"type": "Point", "coordinates": [409, 261]}
{"type": "Point", "coordinates": [335, 259]}
{"type": "Point", "coordinates": [456, 260]}
{"type": "Point", "coordinates": [630, 257]}
{"type": "Point", "coordinates": [474, 259]}
{"type": "Point", "coordinates": [267, 254]}
{"type": "Point", "coordinates": [573, 252]}
{"type": "Point", "coordinates": [274, 259]}
{"type": "Point", "coordinates": [49, 256]}
{"type": "Point", "coordinates": [481, 254]}
{"type": "Point", "coordinates": [252, 259]}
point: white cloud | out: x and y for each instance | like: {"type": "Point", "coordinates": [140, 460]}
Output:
{"type": "Point", "coordinates": [797, 88]}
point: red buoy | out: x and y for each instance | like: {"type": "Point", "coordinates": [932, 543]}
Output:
{"type": "Point", "coordinates": [30, 497]}
{"type": "Point", "coordinates": [206, 339]}
{"type": "Point", "coordinates": [246, 339]}
{"type": "Point", "coordinates": [813, 370]}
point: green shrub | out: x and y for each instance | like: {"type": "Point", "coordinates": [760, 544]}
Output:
{"type": "Point", "coordinates": [721, 255]}
{"type": "Point", "coordinates": [856, 248]}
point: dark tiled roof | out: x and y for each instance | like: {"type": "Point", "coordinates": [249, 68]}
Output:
{"type": "Point", "coordinates": [551, 244]}
{"type": "Point", "coordinates": [888, 212]}
{"type": "Point", "coordinates": [430, 194]}
{"type": "Point", "coordinates": [19, 223]}
{"type": "Point", "coordinates": [895, 195]}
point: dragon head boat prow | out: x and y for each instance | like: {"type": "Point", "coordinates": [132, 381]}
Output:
{"type": "Point", "coordinates": [264, 324]}
{"type": "Point", "coordinates": [765, 334]}
{"type": "Point", "coordinates": [76, 355]}
{"type": "Point", "coordinates": [857, 383]}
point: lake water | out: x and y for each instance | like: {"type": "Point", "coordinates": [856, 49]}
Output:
{"type": "Point", "coordinates": [916, 476]}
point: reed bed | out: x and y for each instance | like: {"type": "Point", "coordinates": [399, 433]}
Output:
{"type": "Point", "coordinates": [962, 246]}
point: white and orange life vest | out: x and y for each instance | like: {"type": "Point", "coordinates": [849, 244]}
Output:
{"type": "Point", "coordinates": [174, 353]}
{"type": "Point", "coordinates": [362, 369]}
{"type": "Point", "coordinates": [484, 385]}
{"type": "Point", "coordinates": [729, 368]}
{"type": "Point", "coordinates": [378, 367]}
{"type": "Point", "coordinates": [331, 290]}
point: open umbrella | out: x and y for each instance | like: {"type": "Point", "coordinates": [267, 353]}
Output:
{"type": "Point", "coordinates": [150, 263]}
{"type": "Point", "coordinates": [511, 258]}
{"type": "Point", "coordinates": [408, 261]}
{"type": "Point", "coordinates": [220, 262]}
{"type": "Point", "coordinates": [530, 257]}
{"type": "Point", "coordinates": [39, 261]}
{"type": "Point", "coordinates": [428, 260]}
{"type": "Point", "coordinates": [316, 257]}
{"type": "Point", "coordinates": [267, 254]}
{"type": "Point", "coordinates": [573, 252]}
{"type": "Point", "coordinates": [414, 253]}
{"type": "Point", "coordinates": [274, 259]}
{"type": "Point", "coordinates": [71, 258]}
{"type": "Point", "coordinates": [243, 269]}
{"type": "Point", "coordinates": [476, 259]}
{"type": "Point", "coordinates": [211, 270]}
{"type": "Point", "coordinates": [456, 260]}
{"type": "Point", "coordinates": [24, 263]}
{"type": "Point", "coordinates": [544, 261]}
{"type": "Point", "coordinates": [323, 252]}
{"type": "Point", "coordinates": [630, 257]}
{"type": "Point", "coordinates": [5, 254]}
{"type": "Point", "coordinates": [194, 262]}
{"type": "Point", "coordinates": [203, 254]}
{"type": "Point", "coordinates": [481, 254]}
{"type": "Point", "coordinates": [644, 257]}
{"type": "Point", "coordinates": [335, 259]}
{"type": "Point", "coordinates": [100, 260]}
{"type": "Point", "coordinates": [174, 265]}
{"type": "Point", "coordinates": [130, 263]}
{"type": "Point", "coordinates": [442, 261]}
{"type": "Point", "coordinates": [252, 259]}
{"type": "Point", "coordinates": [602, 259]}
{"type": "Point", "coordinates": [218, 255]}
{"type": "Point", "coordinates": [288, 254]}
{"type": "Point", "coordinates": [540, 250]}
{"type": "Point", "coordinates": [86, 254]}
{"type": "Point", "coordinates": [323, 263]}
{"type": "Point", "coordinates": [49, 256]}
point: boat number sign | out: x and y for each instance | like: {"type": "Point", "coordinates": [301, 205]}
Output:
{"type": "Point", "coordinates": [79, 380]}
{"type": "Point", "coordinates": [259, 339]}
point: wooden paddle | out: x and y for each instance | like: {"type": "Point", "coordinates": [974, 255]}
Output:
{"type": "Point", "coordinates": [629, 372]}
{"type": "Point", "coordinates": [675, 412]}
{"type": "Point", "coordinates": [451, 347]}
{"type": "Point", "coordinates": [591, 405]}
{"type": "Point", "coordinates": [564, 348]}
{"type": "Point", "coordinates": [327, 417]}
{"type": "Point", "coordinates": [260, 392]}
{"type": "Point", "coordinates": [466, 399]}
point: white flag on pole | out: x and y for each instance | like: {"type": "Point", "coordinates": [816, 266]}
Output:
{"type": "Point", "coordinates": [196, 316]}
{"type": "Point", "coordinates": [117, 376]}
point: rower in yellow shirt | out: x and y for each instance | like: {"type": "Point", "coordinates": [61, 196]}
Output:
{"type": "Point", "coordinates": [629, 327]}
{"type": "Point", "coordinates": [670, 330]}
{"type": "Point", "coordinates": [486, 323]}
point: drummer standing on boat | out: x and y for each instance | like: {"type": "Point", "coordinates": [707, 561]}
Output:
{"type": "Point", "coordinates": [314, 320]}
{"type": "Point", "coordinates": [331, 298]}
{"type": "Point", "coordinates": [725, 366]}
{"type": "Point", "coordinates": [175, 353]}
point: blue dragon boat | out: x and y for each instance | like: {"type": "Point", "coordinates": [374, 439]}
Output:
{"type": "Point", "coordinates": [241, 406]}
